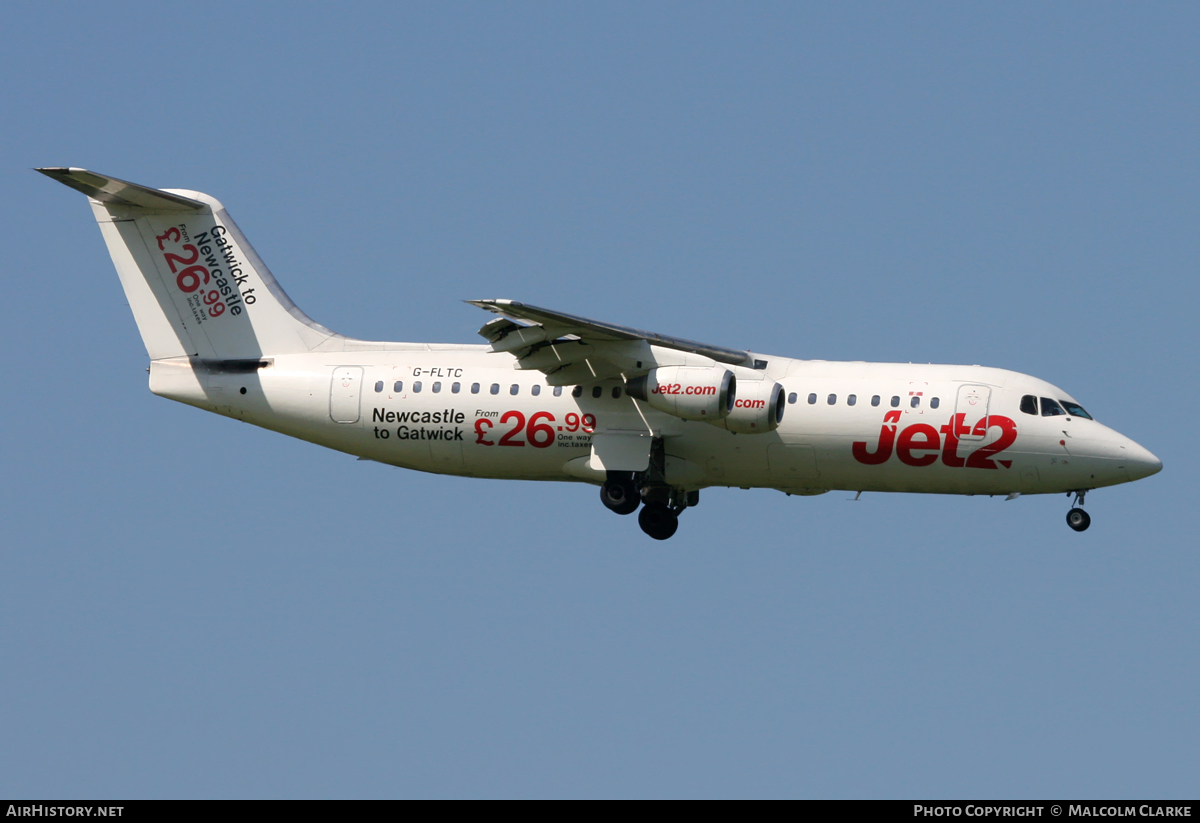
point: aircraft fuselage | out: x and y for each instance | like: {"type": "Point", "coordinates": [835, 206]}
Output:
{"type": "Point", "coordinates": [869, 426]}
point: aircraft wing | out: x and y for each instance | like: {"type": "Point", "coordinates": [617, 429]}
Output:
{"type": "Point", "coordinates": [573, 350]}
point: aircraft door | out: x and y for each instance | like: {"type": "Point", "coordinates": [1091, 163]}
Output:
{"type": "Point", "coordinates": [345, 394]}
{"type": "Point", "coordinates": [973, 405]}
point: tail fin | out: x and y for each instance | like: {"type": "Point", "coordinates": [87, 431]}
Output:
{"type": "Point", "coordinates": [195, 285]}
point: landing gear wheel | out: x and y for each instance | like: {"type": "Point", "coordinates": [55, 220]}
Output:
{"type": "Point", "coordinates": [658, 521]}
{"type": "Point", "coordinates": [1078, 520]}
{"type": "Point", "coordinates": [620, 495]}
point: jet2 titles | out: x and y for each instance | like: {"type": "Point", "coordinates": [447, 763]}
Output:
{"type": "Point", "coordinates": [919, 444]}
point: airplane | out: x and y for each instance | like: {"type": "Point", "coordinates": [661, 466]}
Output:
{"type": "Point", "coordinates": [650, 419]}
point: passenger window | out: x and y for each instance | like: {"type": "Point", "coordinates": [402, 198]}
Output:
{"type": "Point", "coordinates": [792, 399]}
{"type": "Point", "coordinates": [474, 388]}
{"type": "Point", "coordinates": [577, 391]}
{"type": "Point", "coordinates": [832, 399]}
{"type": "Point", "coordinates": [437, 387]}
{"type": "Point", "coordinates": [398, 386]}
{"type": "Point", "coordinates": [812, 399]}
{"type": "Point", "coordinates": [1050, 408]}
{"type": "Point", "coordinates": [379, 386]}
{"type": "Point", "coordinates": [495, 389]}
{"type": "Point", "coordinates": [934, 402]}
{"type": "Point", "coordinates": [616, 392]}
{"type": "Point", "coordinates": [513, 389]}
{"type": "Point", "coordinates": [536, 390]}
{"type": "Point", "coordinates": [916, 401]}
{"type": "Point", "coordinates": [558, 391]}
{"type": "Point", "coordinates": [1029, 404]}
{"type": "Point", "coordinates": [597, 391]}
{"type": "Point", "coordinates": [455, 387]}
{"type": "Point", "coordinates": [1075, 409]}
{"type": "Point", "coordinates": [895, 401]}
{"type": "Point", "coordinates": [851, 399]}
{"type": "Point", "coordinates": [875, 400]}
{"type": "Point", "coordinates": [417, 386]}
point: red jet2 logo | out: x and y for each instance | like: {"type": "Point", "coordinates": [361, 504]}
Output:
{"type": "Point", "coordinates": [919, 444]}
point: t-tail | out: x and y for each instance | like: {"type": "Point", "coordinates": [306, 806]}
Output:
{"type": "Point", "coordinates": [196, 287]}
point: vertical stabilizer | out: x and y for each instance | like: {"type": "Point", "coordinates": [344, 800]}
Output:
{"type": "Point", "coordinates": [196, 286]}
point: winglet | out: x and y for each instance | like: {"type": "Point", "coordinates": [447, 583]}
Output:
{"type": "Point", "coordinates": [120, 192]}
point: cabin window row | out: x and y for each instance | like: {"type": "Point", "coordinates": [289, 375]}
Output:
{"type": "Point", "coordinates": [418, 386]}
{"type": "Point", "coordinates": [852, 400]}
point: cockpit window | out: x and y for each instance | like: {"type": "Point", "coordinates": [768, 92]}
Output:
{"type": "Point", "coordinates": [1029, 404]}
{"type": "Point", "coordinates": [1075, 409]}
{"type": "Point", "coordinates": [1050, 408]}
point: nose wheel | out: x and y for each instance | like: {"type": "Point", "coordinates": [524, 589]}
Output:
{"type": "Point", "coordinates": [1077, 518]}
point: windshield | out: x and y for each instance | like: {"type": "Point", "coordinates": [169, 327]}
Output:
{"type": "Point", "coordinates": [1075, 409]}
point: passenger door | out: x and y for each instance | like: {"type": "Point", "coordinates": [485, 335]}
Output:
{"type": "Point", "coordinates": [345, 394]}
{"type": "Point", "coordinates": [973, 405]}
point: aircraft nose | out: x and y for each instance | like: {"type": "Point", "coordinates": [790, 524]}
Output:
{"type": "Point", "coordinates": [1140, 462]}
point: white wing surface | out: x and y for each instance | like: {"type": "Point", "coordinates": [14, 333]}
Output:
{"type": "Point", "coordinates": [572, 350]}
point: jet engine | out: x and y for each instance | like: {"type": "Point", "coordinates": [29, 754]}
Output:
{"type": "Point", "coordinates": [704, 393]}
{"type": "Point", "coordinates": [758, 408]}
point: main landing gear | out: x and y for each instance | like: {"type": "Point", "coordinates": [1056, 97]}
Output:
{"type": "Point", "coordinates": [624, 492]}
{"type": "Point", "coordinates": [659, 518]}
{"type": "Point", "coordinates": [1077, 518]}
{"type": "Point", "coordinates": [620, 493]}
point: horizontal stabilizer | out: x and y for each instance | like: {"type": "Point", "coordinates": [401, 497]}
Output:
{"type": "Point", "coordinates": [121, 192]}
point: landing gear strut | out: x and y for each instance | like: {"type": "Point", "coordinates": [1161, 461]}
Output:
{"type": "Point", "coordinates": [1077, 518]}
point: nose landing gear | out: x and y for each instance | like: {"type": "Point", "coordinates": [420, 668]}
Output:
{"type": "Point", "coordinates": [1077, 518]}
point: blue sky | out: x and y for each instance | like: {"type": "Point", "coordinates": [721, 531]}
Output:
{"type": "Point", "coordinates": [191, 607]}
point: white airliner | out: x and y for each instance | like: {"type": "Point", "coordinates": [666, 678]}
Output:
{"type": "Point", "coordinates": [650, 419]}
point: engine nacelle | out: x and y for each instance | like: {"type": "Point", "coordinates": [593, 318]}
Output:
{"type": "Point", "coordinates": [704, 393]}
{"type": "Point", "coordinates": [758, 408]}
